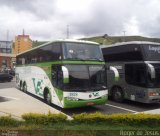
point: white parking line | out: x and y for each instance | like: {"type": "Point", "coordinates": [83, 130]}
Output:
{"type": "Point", "coordinates": [121, 108]}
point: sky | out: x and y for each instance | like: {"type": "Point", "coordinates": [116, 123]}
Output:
{"type": "Point", "coordinates": [49, 19]}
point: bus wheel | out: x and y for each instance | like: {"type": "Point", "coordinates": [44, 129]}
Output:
{"type": "Point", "coordinates": [47, 97]}
{"type": "Point", "coordinates": [21, 86]}
{"type": "Point", "coordinates": [117, 94]}
{"type": "Point", "coordinates": [25, 87]}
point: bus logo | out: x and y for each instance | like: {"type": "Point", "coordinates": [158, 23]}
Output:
{"type": "Point", "coordinates": [95, 94]}
{"type": "Point", "coordinates": [37, 85]}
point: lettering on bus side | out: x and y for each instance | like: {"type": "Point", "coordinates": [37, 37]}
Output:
{"type": "Point", "coordinates": [37, 85]}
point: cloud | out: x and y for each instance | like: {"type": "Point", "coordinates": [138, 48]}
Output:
{"type": "Point", "coordinates": [47, 20]}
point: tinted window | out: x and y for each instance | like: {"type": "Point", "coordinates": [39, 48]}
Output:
{"type": "Point", "coordinates": [82, 51]}
{"type": "Point", "coordinates": [97, 76]}
{"type": "Point", "coordinates": [135, 74]}
{"type": "Point", "coordinates": [126, 56]}
{"type": "Point", "coordinates": [50, 52]}
{"type": "Point", "coordinates": [86, 77]}
{"type": "Point", "coordinates": [125, 52]}
{"type": "Point", "coordinates": [78, 77]}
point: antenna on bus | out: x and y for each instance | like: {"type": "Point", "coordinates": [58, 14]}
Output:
{"type": "Point", "coordinates": [67, 31]}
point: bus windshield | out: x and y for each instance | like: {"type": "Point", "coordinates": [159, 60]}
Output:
{"type": "Point", "coordinates": [81, 51]}
{"type": "Point", "coordinates": [152, 52]}
{"type": "Point", "coordinates": [155, 83]}
{"type": "Point", "coordinates": [85, 78]}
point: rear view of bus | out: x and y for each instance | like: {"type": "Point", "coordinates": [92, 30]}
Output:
{"type": "Point", "coordinates": [133, 71]}
{"type": "Point", "coordinates": [67, 73]}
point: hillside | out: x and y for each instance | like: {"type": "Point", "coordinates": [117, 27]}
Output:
{"type": "Point", "coordinates": [105, 39]}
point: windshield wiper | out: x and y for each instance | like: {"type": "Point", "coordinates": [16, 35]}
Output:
{"type": "Point", "coordinates": [97, 87]}
{"type": "Point", "coordinates": [96, 59]}
{"type": "Point", "coordinates": [74, 59]}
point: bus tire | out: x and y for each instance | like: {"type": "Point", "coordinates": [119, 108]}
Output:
{"type": "Point", "coordinates": [21, 86]}
{"type": "Point", "coordinates": [25, 87]}
{"type": "Point", "coordinates": [47, 96]}
{"type": "Point", "coordinates": [117, 94]}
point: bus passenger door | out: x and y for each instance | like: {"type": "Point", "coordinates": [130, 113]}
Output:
{"type": "Point", "coordinates": [57, 80]}
{"type": "Point", "coordinates": [57, 76]}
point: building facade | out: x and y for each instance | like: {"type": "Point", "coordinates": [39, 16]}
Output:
{"type": "Point", "coordinates": [22, 43]}
{"type": "Point", "coordinates": [6, 56]}
{"type": "Point", "coordinates": [6, 47]}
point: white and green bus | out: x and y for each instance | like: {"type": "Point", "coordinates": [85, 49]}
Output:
{"type": "Point", "coordinates": [67, 73]}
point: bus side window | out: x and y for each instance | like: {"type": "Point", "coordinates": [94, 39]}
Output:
{"type": "Point", "coordinates": [135, 74]}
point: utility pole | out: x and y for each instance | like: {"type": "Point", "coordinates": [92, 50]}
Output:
{"type": "Point", "coordinates": [7, 35]}
{"type": "Point", "coordinates": [67, 31]}
{"type": "Point", "coordinates": [7, 40]}
{"type": "Point", "coordinates": [23, 32]}
{"type": "Point", "coordinates": [124, 36]}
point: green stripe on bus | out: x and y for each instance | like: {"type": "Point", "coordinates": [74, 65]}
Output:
{"type": "Point", "coordinates": [83, 103]}
{"type": "Point", "coordinates": [64, 62]}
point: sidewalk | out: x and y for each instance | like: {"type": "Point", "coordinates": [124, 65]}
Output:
{"type": "Point", "coordinates": [20, 103]}
{"type": "Point", "coordinates": [156, 111]}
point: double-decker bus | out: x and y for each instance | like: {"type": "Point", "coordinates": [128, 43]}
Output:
{"type": "Point", "coordinates": [133, 70]}
{"type": "Point", "coordinates": [67, 73]}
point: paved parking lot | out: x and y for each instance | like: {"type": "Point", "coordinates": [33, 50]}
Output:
{"type": "Point", "coordinates": [17, 103]}
{"type": "Point", "coordinates": [16, 97]}
{"type": "Point", "coordinates": [7, 84]}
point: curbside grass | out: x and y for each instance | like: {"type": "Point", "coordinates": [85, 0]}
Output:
{"type": "Point", "coordinates": [9, 121]}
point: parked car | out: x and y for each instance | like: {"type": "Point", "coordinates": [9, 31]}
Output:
{"type": "Point", "coordinates": [5, 77]}
{"type": "Point", "coordinates": [12, 72]}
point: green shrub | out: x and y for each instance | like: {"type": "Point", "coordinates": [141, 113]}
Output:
{"type": "Point", "coordinates": [128, 119]}
{"type": "Point", "coordinates": [151, 120]}
{"type": "Point", "coordinates": [44, 119]}
{"type": "Point", "coordinates": [9, 121]}
{"type": "Point", "coordinates": [92, 117]}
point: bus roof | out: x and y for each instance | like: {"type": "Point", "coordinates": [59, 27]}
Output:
{"type": "Point", "coordinates": [60, 40]}
{"type": "Point", "coordinates": [126, 43]}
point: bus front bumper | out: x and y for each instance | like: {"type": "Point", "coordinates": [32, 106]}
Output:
{"type": "Point", "coordinates": [82, 103]}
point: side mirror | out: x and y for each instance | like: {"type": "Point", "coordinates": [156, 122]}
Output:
{"type": "Point", "coordinates": [151, 71]}
{"type": "Point", "coordinates": [116, 73]}
{"type": "Point", "coordinates": [65, 75]}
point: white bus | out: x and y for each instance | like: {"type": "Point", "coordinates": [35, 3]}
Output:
{"type": "Point", "coordinates": [67, 73]}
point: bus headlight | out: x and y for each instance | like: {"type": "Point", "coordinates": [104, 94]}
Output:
{"type": "Point", "coordinates": [153, 94]}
